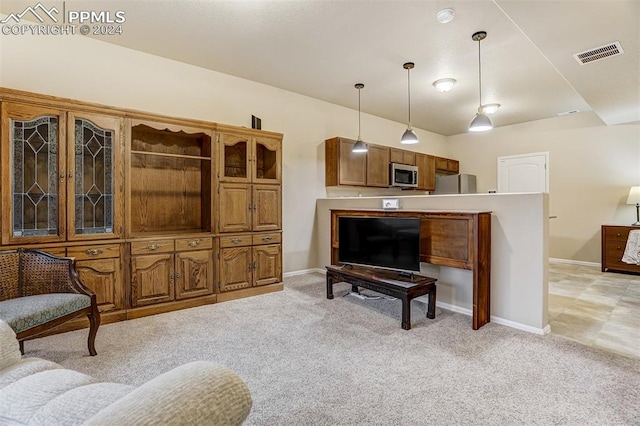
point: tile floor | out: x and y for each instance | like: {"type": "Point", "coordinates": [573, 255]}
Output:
{"type": "Point", "coordinates": [599, 309]}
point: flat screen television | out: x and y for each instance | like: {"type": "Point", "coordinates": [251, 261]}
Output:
{"type": "Point", "coordinates": [383, 242]}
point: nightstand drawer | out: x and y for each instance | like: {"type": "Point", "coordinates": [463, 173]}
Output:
{"type": "Point", "coordinates": [616, 233]}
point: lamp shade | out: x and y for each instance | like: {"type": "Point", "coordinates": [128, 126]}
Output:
{"type": "Point", "coordinates": [480, 123]}
{"type": "Point", "coordinates": [359, 146]}
{"type": "Point", "coordinates": [634, 195]}
{"type": "Point", "coordinates": [409, 137]}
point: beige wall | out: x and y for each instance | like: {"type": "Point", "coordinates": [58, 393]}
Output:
{"type": "Point", "coordinates": [592, 166]}
{"type": "Point", "coordinates": [85, 69]}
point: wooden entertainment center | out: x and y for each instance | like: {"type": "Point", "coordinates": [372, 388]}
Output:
{"type": "Point", "coordinates": [457, 239]}
{"type": "Point", "coordinates": [161, 213]}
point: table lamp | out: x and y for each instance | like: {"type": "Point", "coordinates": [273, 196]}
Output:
{"type": "Point", "coordinates": [634, 198]}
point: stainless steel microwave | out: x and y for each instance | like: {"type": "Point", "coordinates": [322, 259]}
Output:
{"type": "Point", "coordinates": [402, 175]}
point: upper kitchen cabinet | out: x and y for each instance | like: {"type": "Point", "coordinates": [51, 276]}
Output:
{"type": "Point", "coordinates": [426, 172]}
{"type": "Point", "coordinates": [61, 175]}
{"type": "Point", "coordinates": [403, 156]}
{"type": "Point", "coordinates": [245, 158]}
{"type": "Point", "coordinates": [447, 166]}
{"type": "Point", "coordinates": [345, 167]}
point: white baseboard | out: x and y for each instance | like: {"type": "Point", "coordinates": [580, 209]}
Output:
{"type": "Point", "coordinates": [574, 262]}
{"type": "Point", "coordinates": [497, 320]}
{"type": "Point", "coordinates": [304, 271]}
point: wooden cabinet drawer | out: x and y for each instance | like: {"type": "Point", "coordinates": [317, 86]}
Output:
{"type": "Point", "coordinates": [273, 238]}
{"type": "Point", "coordinates": [106, 251]}
{"type": "Point", "coordinates": [185, 244]}
{"type": "Point", "coordinates": [152, 246]}
{"type": "Point", "coordinates": [616, 233]}
{"type": "Point", "coordinates": [235, 241]}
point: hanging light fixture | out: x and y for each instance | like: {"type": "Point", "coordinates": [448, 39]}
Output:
{"type": "Point", "coordinates": [480, 122]}
{"type": "Point", "coordinates": [409, 136]}
{"type": "Point", "coordinates": [359, 146]}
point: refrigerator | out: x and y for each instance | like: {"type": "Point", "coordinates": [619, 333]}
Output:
{"type": "Point", "coordinates": [455, 184]}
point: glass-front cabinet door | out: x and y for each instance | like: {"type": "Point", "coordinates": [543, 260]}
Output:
{"type": "Point", "coordinates": [235, 158]}
{"type": "Point", "coordinates": [62, 175]}
{"type": "Point", "coordinates": [33, 174]}
{"type": "Point", "coordinates": [267, 158]}
{"type": "Point", "coordinates": [94, 170]}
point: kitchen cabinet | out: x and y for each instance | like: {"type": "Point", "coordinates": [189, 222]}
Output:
{"type": "Point", "coordinates": [447, 166]}
{"type": "Point", "coordinates": [426, 172]}
{"type": "Point", "coordinates": [342, 165]}
{"type": "Point", "coordinates": [403, 156]}
{"type": "Point", "coordinates": [371, 169]}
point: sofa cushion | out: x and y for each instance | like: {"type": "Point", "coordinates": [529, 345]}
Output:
{"type": "Point", "coordinates": [9, 347]}
{"type": "Point", "coordinates": [27, 312]}
{"type": "Point", "coordinates": [78, 404]}
{"type": "Point", "coordinates": [23, 398]}
{"type": "Point", "coordinates": [23, 368]}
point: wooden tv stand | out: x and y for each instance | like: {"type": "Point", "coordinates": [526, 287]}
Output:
{"type": "Point", "coordinates": [386, 282]}
{"type": "Point", "coordinates": [457, 239]}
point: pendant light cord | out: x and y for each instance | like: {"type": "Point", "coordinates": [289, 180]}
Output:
{"type": "Point", "coordinates": [409, 90]}
{"type": "Point", "coordinates": [479, 74]}
{"type": "Point", "coordinates": [358, 114]}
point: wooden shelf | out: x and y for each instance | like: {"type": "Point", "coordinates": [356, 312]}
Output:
{"type": "Point", "coordinates": [164, 154]}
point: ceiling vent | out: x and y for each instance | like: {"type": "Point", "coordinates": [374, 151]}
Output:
{"type": "Point", "coordinates": [597, 53]}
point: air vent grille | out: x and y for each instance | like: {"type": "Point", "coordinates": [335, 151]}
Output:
{"type": "Point", "coordinates": [598, 53]}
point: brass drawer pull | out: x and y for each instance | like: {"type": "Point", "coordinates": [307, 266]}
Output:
{"type": "Point", "coordinates": [266, 238]}
{"type": "Point", "coordinates": [153, 246]}
{"type": "Point", "coordinates": [93, 252]}
{"type": "Point", "coordinates": [194, 243]}
{"type": "Point", "coordinates": [236, 240]}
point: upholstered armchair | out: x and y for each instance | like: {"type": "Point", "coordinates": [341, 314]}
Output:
{"type": "Point", "coordinates": [39, 292]}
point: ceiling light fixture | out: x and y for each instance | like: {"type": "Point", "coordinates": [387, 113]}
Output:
{"type": "Point", "coordinates": [409, 136]}
{"type": "Point", "coordinates": [445, 15]}
{"type": "Point", "coordinates": [490, 108]}
{"type": "Point", "coordinates": [444, 84]}
{"type": "Point", "coordinates": [480, 122]}
{"type": "Point", "coordinates": [359, 146]}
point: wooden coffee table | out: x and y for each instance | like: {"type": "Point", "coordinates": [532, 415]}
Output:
{"type": "Point", "coordinates": [390, 283]}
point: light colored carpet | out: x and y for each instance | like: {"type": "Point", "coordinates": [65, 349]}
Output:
{"type": "Point", "coordinates": [313, 361]}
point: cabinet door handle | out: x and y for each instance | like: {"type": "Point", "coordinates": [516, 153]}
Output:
{"type": "Point", "coordinates": [61, 177]}
{"type": "Point", "coordinates": [194, 243]}
{"type": "Point", "coordinates": [266, 238]}
{"type": "Point", "coordinates": [236, 240]}
{"type": "Point", "coordinates": [153, 246]}
{"type": "Point", "coordinates": [93, 252]}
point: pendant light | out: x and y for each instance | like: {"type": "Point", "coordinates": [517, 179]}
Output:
{"type": "Point", "coordinates": [480, 122]}
{"type": "Point", "coordinates": [359, 146]}
{"type": "Point", "coordinates": [409, 136]}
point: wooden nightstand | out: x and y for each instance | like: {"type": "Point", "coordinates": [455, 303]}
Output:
{"type": "Point", "coordinates": [614, 241]}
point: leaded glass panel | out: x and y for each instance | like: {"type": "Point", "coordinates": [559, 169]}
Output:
{"type": "Point", "coordinates": [35, 176]}
{"type": "Point", "coordinates": [94, 178]}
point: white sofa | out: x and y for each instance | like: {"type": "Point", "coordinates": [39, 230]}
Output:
{"type": "Point", "coordinates": [35, 391]}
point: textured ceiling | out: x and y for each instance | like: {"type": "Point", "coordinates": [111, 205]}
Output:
{"type": "Point", "coordinates": [322, 48]}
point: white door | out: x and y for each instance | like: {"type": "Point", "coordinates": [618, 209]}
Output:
{"type": "Point", "coordinates": [524, 173]}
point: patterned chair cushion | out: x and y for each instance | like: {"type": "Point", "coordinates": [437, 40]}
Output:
{"type": "Point", "coordinates": [27, 312]}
